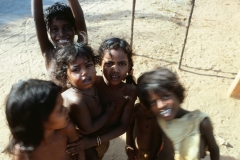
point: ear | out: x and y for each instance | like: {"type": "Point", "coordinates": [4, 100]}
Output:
{"type": "Point", "coordinates": [68, 84]}
{"type": "Point", "coordinates": [130, 72]}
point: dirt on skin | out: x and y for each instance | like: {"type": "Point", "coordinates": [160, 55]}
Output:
{"type": "Point", "coordinates": [210, 62]}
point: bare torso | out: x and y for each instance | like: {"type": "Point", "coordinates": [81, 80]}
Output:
{"type": "Point", "coordinates": [116, 96]}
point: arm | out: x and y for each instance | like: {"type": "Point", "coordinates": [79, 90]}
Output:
{"type": "Point", "coordinates": [206, 130]}
{"type": "Point", "coordinates": [87, 142]}
{"type": "Point", "coordinates": [156, 141]}
{"type": "Point", "coordinates": [83, 119]}
{"type": "Point", "coordinates": [40, 26]}
{"type": "Point", "coordinates": [130, 145]}
{"type": "Point", "coordinates": [74, 136]}
{"type": "Point", "coordinates": [79, 17]}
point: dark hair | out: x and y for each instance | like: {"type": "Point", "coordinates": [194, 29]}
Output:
{"type": "Point", "coordinates": [116, 43]}
{"type": "Point", "coordinates": [159, 81]}
{"type": "Point", "coordinates": [69, 53]}
{"type": "Point", "coordinates": [60, 11]}
{"type": "Point", "coordinates": [28, 107]}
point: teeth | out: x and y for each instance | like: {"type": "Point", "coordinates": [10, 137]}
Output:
{"type": "Point", "coordinates": [165, 112]}
{"type": "Point", "coordinates": [63, 41]}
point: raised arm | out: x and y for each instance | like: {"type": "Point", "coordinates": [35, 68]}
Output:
{"type": "Point", "coordinates": [41, 30]}
{"type": "Point", "coordinates": [79, 17]}
{"type": "Point", "coordinates": [83, 119]}
{"type": "Point", "coordinates": [206, 130]}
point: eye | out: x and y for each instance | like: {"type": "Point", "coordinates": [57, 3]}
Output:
{"type": "Point", "coordinates": [68, 27]}
{"type": "Point", "coordinates": [166, 96]}
{"type": "Point", "coordinates": [75, 69]}
{"type": "Point", "coordinates": [54, 29]}
{"type": "Point", "coordinates": [109, 64]}
{"type": "Point", "coordinates": [153, 102]}
{"type": "Point", "coordinates": [90, 64]}
{"type": "Point", "coordinates": [122, 63]}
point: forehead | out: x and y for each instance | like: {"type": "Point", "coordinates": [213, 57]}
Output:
{"type": "Point", "coordinates": [81, 59]}
{"type": "Point", "coordinates": [57, 21]}
{"type": "Point", "coordinates": [158, 93]}
{"type": "Point", "coordinates": [115, 55]}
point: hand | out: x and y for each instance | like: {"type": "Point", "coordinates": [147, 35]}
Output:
{"type": "Point", "coordinates": [82, 144]}
{"type": "Point", "coordinates": [130, 153]}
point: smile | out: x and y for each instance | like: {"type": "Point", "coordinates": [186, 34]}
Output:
{"type": "Point", "coordinates": [63, 41]}
{"type": "Point", "coordinates": [166, 112]}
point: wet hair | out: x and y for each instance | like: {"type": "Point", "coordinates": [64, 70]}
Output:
{"type": "Point", "coordinates": [68, 54]}
{"type": "Point", "coordinates": [117, 43]}
{"type": "Point", "coordinates": [28, 106]}
{"type": "Point", "coordinates": [60, 11]}
{"type": "Point", "coordinates": [158, 82]}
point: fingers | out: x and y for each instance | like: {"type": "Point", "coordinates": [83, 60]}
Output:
{"type": "Point", "coordinates": [73, 144]}
{"type": "Point", "coordinates": [73, 151]}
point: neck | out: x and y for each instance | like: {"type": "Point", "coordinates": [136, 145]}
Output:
{"type": "Point", "coordinates": [181, 112]}
{"type": "Point", "coordinates": [47, 136]}
{"type": "Point", "coordinates": [88, 90]}
{"type": "Point", "coordinates": [110, 86]}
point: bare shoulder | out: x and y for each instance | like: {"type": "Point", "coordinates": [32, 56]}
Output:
{"type": "Point", "coordinates": [131, 90]}
{"type": "Point", "coordinates": [70, 132]}
{"type": "Point", "coordinates": [72, 97]}
{"type": "Point", "coordinates": [138, 110]}
{"type": "Point", "coordinates": [69, 128]}
{"type": "Point", "coordinates": [206, 126]}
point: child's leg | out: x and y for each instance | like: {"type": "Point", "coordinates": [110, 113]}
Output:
{"type": "Point", "coordinates": [91, 154]}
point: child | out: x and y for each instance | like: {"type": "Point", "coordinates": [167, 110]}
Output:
{"type": "Point", "coordinates": [115, 60]}
{"type": "Point", "coordinates": [76, 66]}
{"type": "Point", "coordinates": [62, 23]}
{"type": "Point", "coordinates": [188, 131]}
{"type": "Point", "coordinates": [143, 136]}
{"type": "Point", "coordinates": [39, 122]}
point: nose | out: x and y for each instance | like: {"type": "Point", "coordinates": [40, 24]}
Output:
{"type": "Point", "coordinates": [61, 32]}
{"type": "Point", "coordinates": [84, 71]}
{"type": "Point", "coordinates": [115, 68]}
{"type": "Point", "coordinates": [160, 104]}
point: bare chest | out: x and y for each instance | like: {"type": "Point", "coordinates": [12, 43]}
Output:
{"type": "Point", "coordinates": [54, 150]}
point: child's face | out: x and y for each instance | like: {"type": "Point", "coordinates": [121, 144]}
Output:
{"type": "Point", "coordinates": [61, 32]}
{"type": "Point", "coordinates": [58, 119]}
{"type": "Point", "coordinates": [115, 66]}
{"type": "Point", "coordinates": [81, 73]}
{"type": "Point", "coordinates": [165, 105]}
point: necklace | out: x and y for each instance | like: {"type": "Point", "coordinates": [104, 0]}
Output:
{"type": "Point", "coordinates": [89, 95]}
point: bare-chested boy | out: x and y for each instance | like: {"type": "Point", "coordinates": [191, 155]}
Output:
{"type": "Point", "coordinates": [143, 136]}
{"type": "Point", "coordinates": [62, 23]}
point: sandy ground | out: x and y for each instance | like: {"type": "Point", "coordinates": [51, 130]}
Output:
{"type": "Point", "coordinates": [210, 62]}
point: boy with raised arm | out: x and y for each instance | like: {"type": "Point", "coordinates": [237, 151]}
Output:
{"type": "Point", "coordinates": [62, 23]}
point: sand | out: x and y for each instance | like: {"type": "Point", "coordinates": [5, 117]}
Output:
{"type": "Point", "coordinates": [210, 62]}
